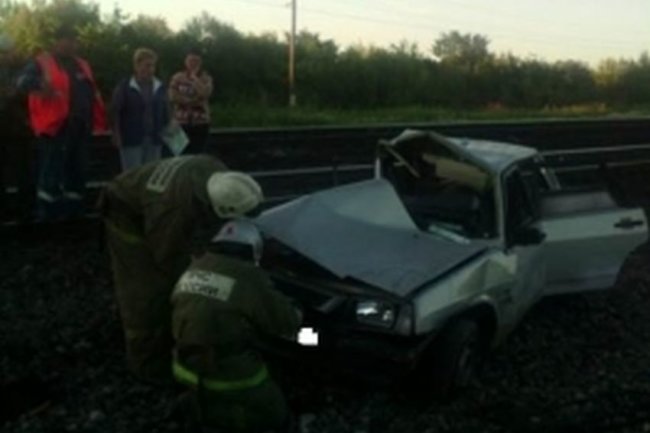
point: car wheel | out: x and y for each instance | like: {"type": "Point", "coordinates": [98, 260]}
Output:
{"type": "Point", "coordinates": [452, 360]}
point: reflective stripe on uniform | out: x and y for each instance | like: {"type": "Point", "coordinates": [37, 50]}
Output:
{"type": "Point", "coordinates": [163, 175]}
{"type": "Point", "coordinates": [205, 283]}
{"type": "Point", "coordinates": [123, 234]}
{"type": "Point", "coordinates": [46, 196]}
{"type": "Point", "coordinates": [188, 377]}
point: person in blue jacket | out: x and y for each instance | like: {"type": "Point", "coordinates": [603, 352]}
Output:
{"type": "Point", "coordinates": [140, 112]}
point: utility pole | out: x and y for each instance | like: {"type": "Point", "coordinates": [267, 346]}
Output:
{"type": "Point", "coordinates": [292, 57]}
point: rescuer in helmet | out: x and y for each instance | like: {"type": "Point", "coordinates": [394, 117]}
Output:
{"type": "Point", "coordinates": [152, 214]}
{"type": "Point", "coordinates": [223, 305]}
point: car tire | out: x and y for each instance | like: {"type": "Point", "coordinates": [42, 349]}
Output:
{"type": "Point", "coordinates": [452, 361]}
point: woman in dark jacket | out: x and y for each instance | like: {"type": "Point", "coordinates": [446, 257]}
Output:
{"type": "Point", "coordinates": [140, 112]}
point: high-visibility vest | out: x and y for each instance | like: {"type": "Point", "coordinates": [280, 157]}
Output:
{"type": "Point", "coordinates": [48, 114]}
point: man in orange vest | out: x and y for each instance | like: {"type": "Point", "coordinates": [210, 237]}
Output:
{"type": "Point", "coordinates": [64, 108]}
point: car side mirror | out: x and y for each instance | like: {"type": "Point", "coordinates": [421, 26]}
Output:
{"type": "Point", "coordinates": [528, 236]}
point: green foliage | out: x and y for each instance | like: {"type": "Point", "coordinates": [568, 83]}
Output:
{"type": "Point", "coordinates": [465, 51]}
{"type": "Point", "coordinates": [32, 26]}
{"type": "Point", "coordinates": [251, 70]}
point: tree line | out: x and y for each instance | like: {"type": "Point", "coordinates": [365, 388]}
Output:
{"type": "Point", "coordinates": [460, 71]}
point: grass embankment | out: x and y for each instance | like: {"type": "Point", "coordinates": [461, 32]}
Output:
{"type": "Point", "coordinates": [260, 116]}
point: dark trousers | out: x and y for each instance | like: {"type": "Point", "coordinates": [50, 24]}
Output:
{"type": "Point", "coordinates": [61, 177]}
{"type": "Point", "coordinates": [142, 292]}
{"type": "Point", "coordinates": [3, 177]}
{"type": "Point", "coordinates": [17, 170]}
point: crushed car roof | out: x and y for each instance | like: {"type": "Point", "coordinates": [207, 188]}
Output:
{"type": "Point", "coordinates": [363, 231]}
{"type": "Point", "coordinates": [495, 156]}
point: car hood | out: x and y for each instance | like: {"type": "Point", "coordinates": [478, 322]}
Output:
{"type": "Point", "coordinates": [363, 231]}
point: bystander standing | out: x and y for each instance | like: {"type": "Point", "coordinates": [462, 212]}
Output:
{"type": "Point", "coordinates": [140, 112]}
{"type": "Point", "coordinates": [190, 92]}
{"type": "Point", "coordinates": [64, 108]}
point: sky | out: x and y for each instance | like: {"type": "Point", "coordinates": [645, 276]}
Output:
{"type": "Point", "coordinates": [587, 30]}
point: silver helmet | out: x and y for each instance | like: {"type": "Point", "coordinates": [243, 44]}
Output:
{"type": "Point", "coordinates": [242, 232]}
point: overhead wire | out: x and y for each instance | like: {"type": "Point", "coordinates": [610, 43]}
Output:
{"type": "Point", "coordinates": [508, 36]}
{"type": "Point", "coordinates": [544, 35]}
{"type": "Point", "coordinates": [499, 12]}
{"type": "Point", "coordinates": [536, 39]}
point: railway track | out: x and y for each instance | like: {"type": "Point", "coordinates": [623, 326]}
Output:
{"type": "Point", "coordinates": [296, 161]}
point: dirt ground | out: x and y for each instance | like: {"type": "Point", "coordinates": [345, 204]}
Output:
{"type": "Point", "coordinates": [579, 363]}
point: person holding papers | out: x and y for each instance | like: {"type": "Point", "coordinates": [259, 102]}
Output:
{"type": "Point", "coordinates": [140, 112]}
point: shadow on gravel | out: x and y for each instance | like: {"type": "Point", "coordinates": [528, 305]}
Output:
{"type": "Point", "coordinates": [577, 364]}
{"type": "Point", "coordinates": [25, 396]}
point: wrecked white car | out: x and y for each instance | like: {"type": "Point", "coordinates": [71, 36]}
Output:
{"type": "Point", "coordinates": [441, 254]}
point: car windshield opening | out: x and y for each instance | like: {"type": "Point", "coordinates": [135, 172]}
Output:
{"type": "Point", "coordinates": [441, 191]}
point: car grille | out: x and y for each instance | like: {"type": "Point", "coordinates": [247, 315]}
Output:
{"type": "Point", "coordinates": [307, 296]}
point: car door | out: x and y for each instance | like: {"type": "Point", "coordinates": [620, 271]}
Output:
{"type": "Point", "coordinates": [585, 250]}
{"type": "Point", "coordinates": [523, 242]}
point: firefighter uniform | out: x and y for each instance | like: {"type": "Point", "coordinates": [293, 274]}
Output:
{"type": "Point", "coordinates": [150, 214]}
{"type": "Point", "coordinates": [221, 307]}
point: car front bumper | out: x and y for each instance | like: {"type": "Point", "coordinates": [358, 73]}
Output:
{"type": "Point", "coordinates": [367, 356]}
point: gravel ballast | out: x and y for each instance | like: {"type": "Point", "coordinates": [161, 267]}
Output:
{"type": "Point", "coordinates": [578, 363]}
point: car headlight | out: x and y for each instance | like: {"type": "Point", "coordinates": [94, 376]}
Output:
{"type": "Point", "coordinates": [377, 313]}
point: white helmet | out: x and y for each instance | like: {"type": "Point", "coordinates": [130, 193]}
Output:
{"type": "Point", "coordinates": [232, 193]}
{"type": "Point", "coordinates": [242, 232]}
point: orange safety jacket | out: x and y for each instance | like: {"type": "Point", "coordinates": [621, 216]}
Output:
{"type": "Point", "coordinates": [48, 113]}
